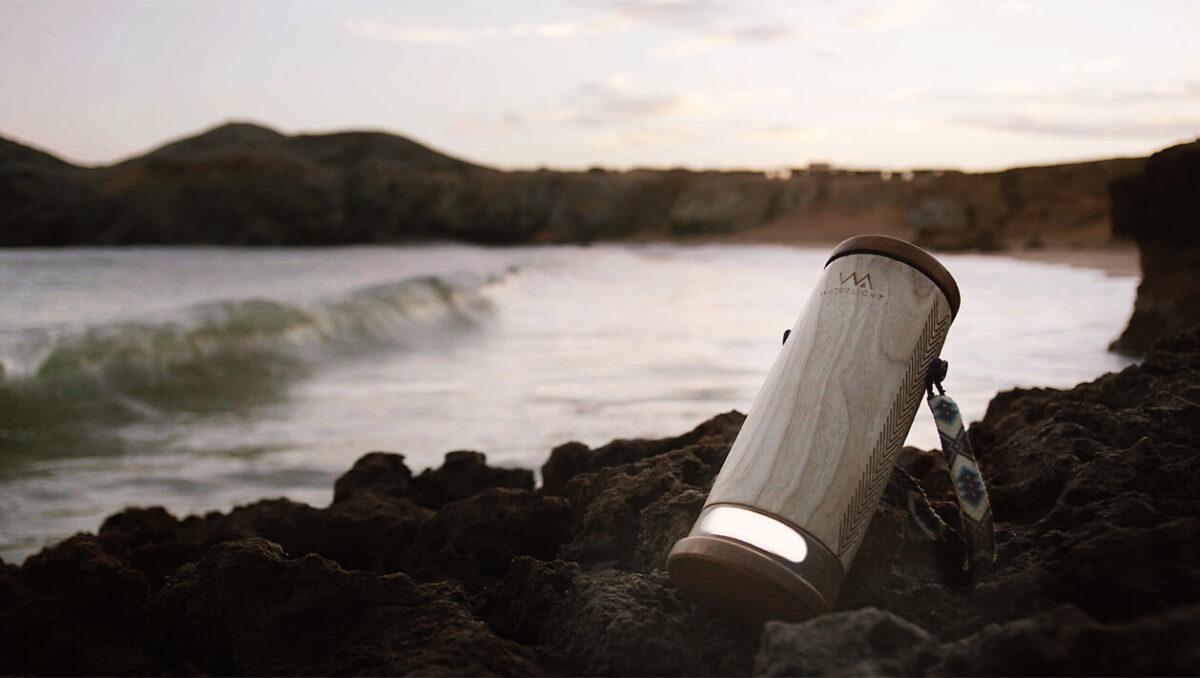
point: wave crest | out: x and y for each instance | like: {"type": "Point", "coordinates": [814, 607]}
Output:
{"type": "Point", "coordinates": [221, 354]}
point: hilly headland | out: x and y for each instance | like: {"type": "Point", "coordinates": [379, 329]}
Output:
{"type": "Point", "coordinates": [245, 184]}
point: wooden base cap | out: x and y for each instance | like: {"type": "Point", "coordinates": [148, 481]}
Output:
{"type": "Point", "coordinates": [740, 582]}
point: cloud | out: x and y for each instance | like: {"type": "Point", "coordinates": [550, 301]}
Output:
{"type": "Point", "coordinates": [671, 13]}
{"type": "Point", "coordinates": [618, 101]}
{"type": "Point", "coordinates": [554, 29]}
{"type": "Point", "coordinates": [683, 48]}
{"type": "Point", "coordinates": [702, 24]}
{"type": "Point", "coordinates": [612, 99]}
{"type": "Point", "coordinates": [1099, 66]}
{"type": "Point", "coordinates": [614, 102]}
{"type": "Point", "coordinates": [1016, 8]}
{"type": "Point", "coordinates": [415, 34]}
{"type": "Point", "coordinates": [418, 34]}
{"type": "Point", "coordinates": [764, 32]}
{"type": "Point", "coordinates": [514, 121]}
{"type": "Point", "coordinates": [618, 16]}
{"type": "Point", "coordinates": [691, 45]}
{"type": "Point", "coordinates": [778, 132]}
{"type": "Point", "coordinates": [606, 103]}
{"type": "Point", "coordinates": [1160, 128]}
{"type": "Point", "coordinates": [639, 138]}
{"type": "Point", "coordinates": [892, 15]}
{"type": "Point", "coordinates": [1154, 92]}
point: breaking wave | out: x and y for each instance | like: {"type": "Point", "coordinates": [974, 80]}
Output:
{"type": "Point", "coordinates": [219, 355]}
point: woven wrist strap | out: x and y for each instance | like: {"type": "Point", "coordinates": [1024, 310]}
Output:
{"type": "Point", "coordinates": [975, 532]}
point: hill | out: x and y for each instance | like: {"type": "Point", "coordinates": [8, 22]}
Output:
{"type": "Point", "coordinates": [242, 183]}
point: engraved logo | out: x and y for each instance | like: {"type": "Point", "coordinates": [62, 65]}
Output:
{"type": "Point", "coordinates": [856, 284]}
{"type": "Point", "coordinates": [864, 282]}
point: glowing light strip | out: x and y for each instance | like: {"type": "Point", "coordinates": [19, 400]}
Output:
{"type": "Point", "coordinates": [755, 529]}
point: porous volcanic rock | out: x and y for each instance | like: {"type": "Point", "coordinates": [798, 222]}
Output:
{"type": "Point", "coordinates": [1095, 489]}
{"type": "Point", "coordinates": [465, 474]}
{"type": "Point", "coordinates": [465, 519]}
{"type": "Point", "coordinates": [612, 622]}
{"type": "Point", "coordinates": [474, 540]}
{"type": "Point", "coordinates": [1160, 210]}
{"type": "Point", "coordinates": [862, 642]}
{"type": "Point", "coordinates": [247, 609]}
{"type": "Point", "coordinates": [73, 609]}
{"type": "Point", "coordinates": [572, 459]}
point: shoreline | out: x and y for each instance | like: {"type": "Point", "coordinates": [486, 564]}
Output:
{"type": "Point", "coordinates": [1118, 259]}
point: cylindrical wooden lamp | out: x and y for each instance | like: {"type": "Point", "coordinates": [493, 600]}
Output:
{"type": "Point", "coordinates": [791, 504]}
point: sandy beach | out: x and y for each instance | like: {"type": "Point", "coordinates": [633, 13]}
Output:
{"type": "Point", "coordinates": [1117, 260]}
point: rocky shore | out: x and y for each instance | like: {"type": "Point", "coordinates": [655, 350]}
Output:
{"type": "Point", "coordinates": [1159, 209]}
{"type": "Point", "coordinates": [243, 184]}
{"type": "Point", "coordinates": [473, 569]}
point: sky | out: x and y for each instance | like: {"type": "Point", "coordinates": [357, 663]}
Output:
{"type": "Point", "coordinates": [889, 84]}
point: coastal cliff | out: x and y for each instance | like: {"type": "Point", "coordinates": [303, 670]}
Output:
{"type": "Point", "coordinates": [242, 184]}
{"type": "Point", "coordinates": [1160, 210]}
{"type": "Point", "coordinates": [473, 569]}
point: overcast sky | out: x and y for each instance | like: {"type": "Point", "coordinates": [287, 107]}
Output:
{"type": "Point", "coordinates": [699, 83]}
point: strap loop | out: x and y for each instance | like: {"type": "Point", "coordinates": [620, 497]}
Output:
{"type": "Point", "coordinates": [976, 531]}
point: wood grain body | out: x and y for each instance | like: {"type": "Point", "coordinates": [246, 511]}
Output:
{"type": "Point", "coordinates": [823, 433]}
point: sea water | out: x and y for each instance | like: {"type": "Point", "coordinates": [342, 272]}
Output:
{"type": "Point", "coordinates": [201, 378]}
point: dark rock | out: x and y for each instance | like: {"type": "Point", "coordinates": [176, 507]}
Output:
{"type": "Point", "coordinates": [520, 606]}
{"type": "Point", "coordinates": [1094, 490]}
{"type": "Point", "coordinates": [373, 523]}
{"type": "Point", "coordinates": [464, 474]}
{"type": "Point", "coordinates": [928, 467]}
{"type": "Point", "coordinates": [629, 515]}
{"type": "Point", "coordinates": [292, 525]}
{"type": "Point", "coordinates": [1158, 209]}
{"type": "Point", "coordinates": [1060, 641]}
{"type": "Point", "coordinates": [474, 539]}
{"type": "Point", "coordinates": [859, 643]}
{"type": "Point", "coordinates": [370, 533]}
{"type": "Point", "coordinates": [566, 461]}
{"type": "Point", "coordinates": [571, 459]}
{"type": "Point", "coordinates": [613, 623]}
{"type": "Point", "coordinates": [664, 522]}
{"type": "Point", "coordinates": [73, 609]}
{"type": "Point", "coordinates": [152, 540]}
{"type": "Point", "coordinates": [245, 608]}
{"type": "Point", "coordinates": [1065, 641]}
{"type": "Point", "coordinates": [383, 473]}
{"type": "Point", "coordinates": [157, 543]}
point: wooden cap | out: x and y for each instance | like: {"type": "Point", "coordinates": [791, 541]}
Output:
{"type": "Point", "coordinates": [740, 582]}
{"type": "Point", "coordinates": [904, 251]}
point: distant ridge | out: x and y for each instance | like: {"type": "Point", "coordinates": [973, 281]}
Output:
{"type": "Point", "coordinates": [230, 136]}
{"type": "Point", "coordinates": [14, 153]}
{"type": "Point", "coordinates": [337, 148]}
{"type": "Point", "coordinates": [242, 183]}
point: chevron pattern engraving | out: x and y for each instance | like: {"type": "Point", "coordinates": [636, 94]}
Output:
{"type": "Point", "coordinates": [904, 408]}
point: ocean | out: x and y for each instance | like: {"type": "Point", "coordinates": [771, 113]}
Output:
{"type": "Point", "coordinates": [202, 378]}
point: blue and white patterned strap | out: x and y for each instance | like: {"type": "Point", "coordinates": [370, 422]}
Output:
{"type": "Point", "coordinates": [976, 530]}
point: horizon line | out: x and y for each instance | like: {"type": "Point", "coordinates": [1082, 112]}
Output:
{"type": "Point", "coordinates": [585, 167]}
